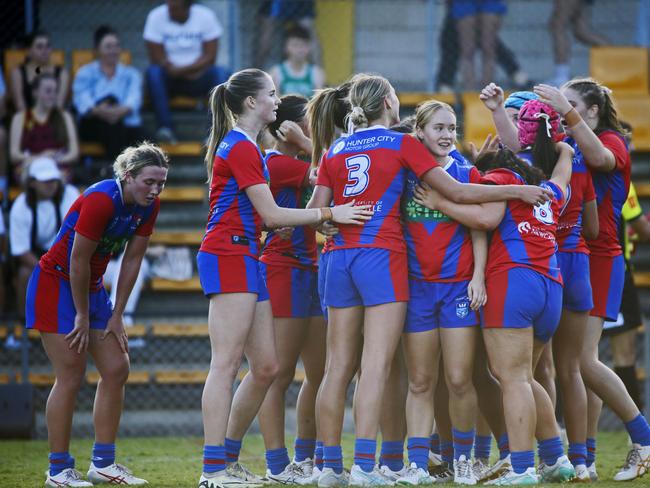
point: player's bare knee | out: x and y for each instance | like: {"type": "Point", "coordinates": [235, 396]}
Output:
{"type": "Point", "coordinates": [266, 372]}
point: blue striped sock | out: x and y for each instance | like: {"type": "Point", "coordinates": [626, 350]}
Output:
{"type": "Point", "coordinates": [639, 430]}
{"type": "Point", "coordinates": [434, 443]}
{"type": "Point", "coordinates": [60, 461]}
{"type": "Point", "coordinates": [522, 460]}
{"type": "Point", "coordinates": [304, 449]}
{"type": "Point", "coordinates": [550, 450]}
{"type": "Point", "coordinates": [591, 451]}
{"type": "Point", "coordinates": [418, 448]}
{"type": "Point", "coordinates": [392, 455]}
{"type": "Point", "coordinates": [277, 460]}
{"type": "Point", "coordinates": [364, 454]}
{"type": "Point", "coordinates": [482, 446]}
{"type": "Point", "coordinates": [504, 447]}
{"type": "Point", "coordinates": [233, 448]}
{"type": "Point", "coordinates": [447, 451]}
{"type": "Point", "coordinates": [463, 443]}
{"type": "Point", "coordinates": [333, 458]}
{"type": "Point", "coordinates": [103, 455]}
{"type": "Point", "coordinates": [578, 453]}
{"type": "Point", "coordinates": [318, 455]}
{"type": "Point", "coordinates": [214, 458]}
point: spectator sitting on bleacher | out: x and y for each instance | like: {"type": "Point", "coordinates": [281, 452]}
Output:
{"type": "Point", "coordinates": [3, 138]}
{"type": "Point", "coordinates": [107, 96]}
{"type": "Point", "coordinates": [44, 130]}
{"type": "Point", "coordinates": [296, 74]}
{"type": "Point", "coordinates": [35, 218]}
{"type": "Point", "coordinates": [182, 40]}
{"type": "Point", "coordinates": [37, 62]}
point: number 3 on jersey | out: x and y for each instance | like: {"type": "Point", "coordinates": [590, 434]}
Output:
{"type": "Point", "coordinates": [358, 174]}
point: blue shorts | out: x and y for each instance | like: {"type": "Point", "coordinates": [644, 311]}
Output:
{"type": "Point", "coordinates": [607, 281]}
{"type": "Point", "coordinates": [466, 8]}
{"type": "Point", "coordinates": [293, 291]}
{"type": "Point", "coordinates": [434, 305]}
{"type": "Point", "coordinates": [519, 298]}
{"type": "Point", "coordinates": [322, 271]}
{"type": "Point", "coordinates": [230, 274]}
{"type": "Point", "coordinates": [365, 276]}
{"type": "Point", "coordinates": [49, 306]}
{"type": "Point", "coordinates": [577, 296]}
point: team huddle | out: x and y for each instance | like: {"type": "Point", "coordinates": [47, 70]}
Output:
{"type": "Point", "coordinates": [441, 284]}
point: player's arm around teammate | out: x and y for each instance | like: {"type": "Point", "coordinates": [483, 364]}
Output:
{"type": "Point", "coordinates": [68, 304]}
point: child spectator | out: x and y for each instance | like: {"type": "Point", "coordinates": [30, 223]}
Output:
{"type": "Point", "coordinates": [37, 62]}
{"type": "Point", "coordinates": [182, 40]}
{"type": "Point", "coordinates": [35, 218]}
{"type": "Point", "coordinates": [107, 96]}
{"type": "Point", "coordinates": [296, 74]}
{"type": "Point", "coordinates": [43, 130]}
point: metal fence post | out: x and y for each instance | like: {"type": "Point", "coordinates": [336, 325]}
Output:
{"type": "Point", "coordinates": [29, 16]}
{"type": "Point", "coordinates": [431, 12]}
{"type": "Point", "coordinates": [234, 34]}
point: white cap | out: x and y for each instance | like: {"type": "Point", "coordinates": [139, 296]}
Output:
{"type": "Point", "coordinates": [44, 169]}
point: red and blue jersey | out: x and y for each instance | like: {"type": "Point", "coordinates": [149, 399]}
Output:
{"type": "Point", "coordinates": [439, 248]}
{"type": "Point", "coordinates": [580, 190]}
{"type": "Point", "coordinates": [99, 214]}
{"type": "Point", "coordinates": [234, 227]}
{"type": "Point", "coordinates": [526, 235]}
{"type": "Point", "coordinates": [370, 168]}
{"type": "Point", "coordinates": [611, 192]}
{"type": "Point", "coordinates": [290, 188]}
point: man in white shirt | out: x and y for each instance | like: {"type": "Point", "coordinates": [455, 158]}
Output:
{"type": "Point", "coordinates": [35, 219]}
{"type": "Point", "coordinates": [182, 39]}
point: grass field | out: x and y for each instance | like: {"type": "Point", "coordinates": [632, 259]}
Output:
{"type": "Point", "coordinates": [174, 462]}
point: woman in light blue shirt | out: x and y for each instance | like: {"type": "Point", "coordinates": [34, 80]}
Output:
{"type": "Point", "coordinates": [107, 96]}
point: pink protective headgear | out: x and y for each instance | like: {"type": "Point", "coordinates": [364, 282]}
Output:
{"type": "Point", "coordinates": [533, 113]}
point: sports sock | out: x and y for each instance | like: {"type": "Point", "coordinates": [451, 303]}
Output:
{"type": "Point", "coordinates": [522, 460]}
{"type": "Point", "coordinates": [304, 449]}
{"type": "Point", "coordinates": [434, 443]}
{"type": "Point", "coordinates": [333, 458]}
{"type": "Point", "coordinates": [550, 450]}
{"type": "Point", "coordinates": [418, 448]}
{"type": "Point", "coordinates": [504, 447]}
{"type": "Point", "coordinates": [463, 443]}
{"type": "Point", "coordinates": [318, 455]}
{"type": "Point", "coordinates": [214, 458]}
{"type": "Point", "coordinates": [639, 430]}
{"type": "Point", "coordinates": [482, 446]}
{"type": "Point", "coordinates": [60, 461]}
{"type": "Point", "coordinates": [277, 460]}
{"type": "Point", "coordinates": [233, 448]}
{"type": "Point", "coordinates": [364, 454]}
{"type": "Point", "coordinates": [447, 451]}
{"type": "Point", "coordinates": [103, 455]}
{"type": "Point", "coordinates": [591, 451]}
{"type": "Point", "coordinates": [392, 455]}
{"type": "Point", "coordinates": [577, 453]}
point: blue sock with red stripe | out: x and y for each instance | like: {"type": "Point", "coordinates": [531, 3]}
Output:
{"type": "Point", "coordinates": [522, 460]}
{"type": "Point", "coordinates": [434, 443]}
{"type": "Point", "coordinates": [214, 458]}
{"type": "Point", "coordinates": [418, 448]}
{"type": "Point", "coordinates": [333, 458]}
{"type": "Point", "coordinates": [447, 451]}
{"type": "Point", "coordinates": [591, 451]}
{"type": "Point", "coordinates": [639, 430]}
{"type": "Point", "coordinates": [482, 446]}
{"type": "Point", "coordinates": [463, 442]}
{"type": "Point", "coordinates": [277, 460]}
{"type": "Point", "coordinates": [364, 454]}
{"type": "Point", "coordinates": [304, 449]}
{"type": "Point", "coordinates": [550, 450]}
{"type": "Point", "coordinates": [504, 447]}
{"type": "Point", "coordinates": [392, 455]}
{"type": "Point", "coordinates": [578, 453]}
{"type": "Point", "coordinates": [60, 461]}
{"type": "Point", "coordinates": [318, 455]}
{"type": "Point", "coordinates": [103, 455]}
{"type": "Point", "coordinates": [233, 448]}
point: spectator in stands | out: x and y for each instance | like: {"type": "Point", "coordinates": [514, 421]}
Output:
{"type": "Point", "coordinates": [3, 138]}
{"type": "Point", "coordinates": [574, 14]}
{"type": "Point", "coordinates": [478, 23]}
{"type": "Point", "coordinates": [446, 77]}
{"type": "Point", "coordinates": [296, 74]}
{"type": "Point", "coordinates": [274, 16]}
{"type": "Point", "coordinates": [35, 218]}
{"type": "Point", "coordinates": [182, 39]}
{"type": "Point", "coordinates": [37, 62]}
{"type": "Point", "coordinates": [107, 96]}
{"type": "Point", "coordinates": [43, 130]}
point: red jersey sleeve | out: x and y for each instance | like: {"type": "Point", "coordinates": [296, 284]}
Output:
{"type": "Point", "coordinates": [416, 156]}
{"type": "Point", "coordinates": [245, 164]}
{"type": "Point", "coordinates": [475, 175]}
{"type": "Point", "coordinates": [286, 171]}
{"type": "Point", "coordinates": [94, 215]}
{"type": "Point", "coordinates": [615, 144]}
{"type": "Point", "coordinates": [145, 229]}
{"type": "Point", "coordinates": [500, 177]}
{"type": "Point", "coordinates": [324, 178]}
